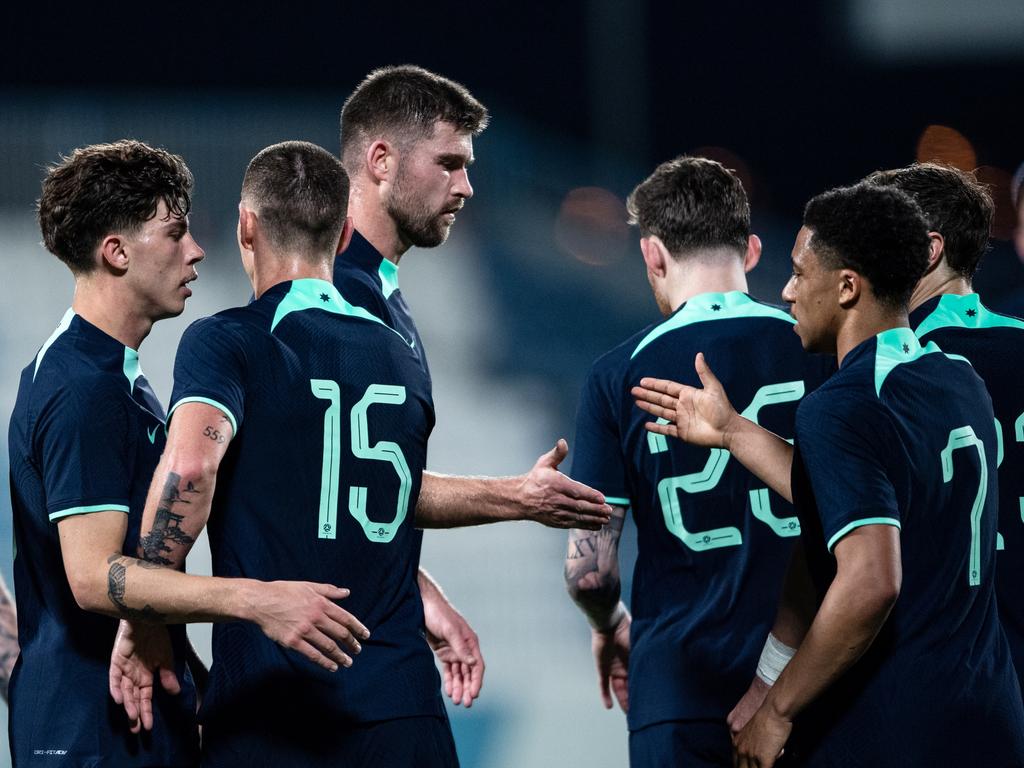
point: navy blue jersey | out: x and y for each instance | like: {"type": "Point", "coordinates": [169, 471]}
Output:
{"type": "Point", "coordinates": [85, 436]}
{"type": "Point", "coordinates": [331, 421]}
{"type": "Point", "coordinates": [903, 435]}
{"type": "Point", "coordinates": [994, 344]}
{"type": "Point", "coordinates": [368, 280]}
{"type": "Point", "coordinates": [713, 541]}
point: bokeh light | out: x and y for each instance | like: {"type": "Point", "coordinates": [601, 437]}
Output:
{"type": "Point", "coordinates": [591, 226]}
{"type": "Point", "coordinates": [940, 143]}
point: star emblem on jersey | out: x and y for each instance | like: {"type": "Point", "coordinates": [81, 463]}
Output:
{"type": "Point", "coordinates": [324, 298]}
{"type": "Point", "coordinates": [972, 312]}
{"type": "Point", "coordinates": [716, 307]}
{"type": "Point", "coordinates": [906, 349]}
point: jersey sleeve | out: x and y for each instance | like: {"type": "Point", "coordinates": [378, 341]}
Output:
{"type": "Point", "coordinates": [85, 448]}
{"type": "Point", "coordinates": [210, 368]}
{"type": "Point", "coordinates": [598, 459]}
{"type": "Point", "coordinates": [845, 452]}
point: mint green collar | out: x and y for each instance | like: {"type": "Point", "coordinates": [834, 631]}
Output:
{"type": "Point", "coordinates": [388, 272]}
{"type": "Point", "coordinates": [894, 347]}
{"type": "Point", "coordinates": [62, 326]}
{"type": "Point", "coordinates": [313, 293]}
{"type": "Point", "coordinates": [132, 368]}
{"type": "Point", "coordinates": [967, 311]}
{"type": "Point", "coordinates": [713, 306]}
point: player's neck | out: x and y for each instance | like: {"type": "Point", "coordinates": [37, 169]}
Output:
{"type": "Point", "coordinates": [106, 304]}
{"type": "Point", "coordinates": [371, 220]}
{"type": "Point", "coordinates": [939, 282]}
{"type": "Point", "coordinates": [271, 270]}
{"type": "Point", "coordinates": [692, 279]}
{"type": "Point", "coordinates": [861, 324]}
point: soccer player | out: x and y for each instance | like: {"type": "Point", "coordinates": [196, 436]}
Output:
{"type": "Point", "coordinates": [945, 309]}
{"type": "Point", "coordinates": [714, 542]}
{"type": "Point", "coordinates": [85, 436]}
{"type": "Point", "coordinates": [893, 476]}
{"type": "Point", "coordinates": [310, 417]}
{"type": "Point", "coordinates": [407, 143]}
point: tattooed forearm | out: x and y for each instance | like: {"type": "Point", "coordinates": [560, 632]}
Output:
{"type": "Point", "coordinates": [166, 531]}
{"type": "Point", "coordinates": [592, 568]}
{"type": "Point", "coordinates": [117, 579]}
{"type": "Point", "coordinates": [8, 638]}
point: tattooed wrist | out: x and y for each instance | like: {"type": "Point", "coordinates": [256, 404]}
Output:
{"type": "Point", "coordinates": [117, 579]}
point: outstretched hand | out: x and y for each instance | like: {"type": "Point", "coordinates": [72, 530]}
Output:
{"type": "Point", "coordinates": [457, 648]}
{"type": "Point", "coordinates": [550, 498]}
{"type": "Point", "coordinates": [141, 653]}
{"type": "Point", "coordinates": [698, 416]}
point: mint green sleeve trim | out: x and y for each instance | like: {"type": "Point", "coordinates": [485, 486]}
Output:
{"type": "Point", "coordinates": [219, 406]}
{"type": "Point", "coordinates": [86, 510]}
{"type": "Point", "coordinates": [859, 523]}
{"type": "Point", "coordinates": [617, 501]}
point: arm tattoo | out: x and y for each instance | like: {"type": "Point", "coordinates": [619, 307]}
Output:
{"type": "Point", "coordinates": [166, 531]}
{"type": "Point", "coordinates": [116, 583]}
{"type": "Point", "coordinates": [592, 567]}
{"type": "Point", "coordinates": [8, 639]}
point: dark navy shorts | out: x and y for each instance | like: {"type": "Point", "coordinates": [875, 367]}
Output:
{"type": "Point", "coordinates": [409, 742]}
{"type": "Point", "coordinates": [681, 744]}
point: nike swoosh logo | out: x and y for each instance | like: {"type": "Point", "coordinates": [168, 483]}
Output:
{"type": "Point", "coordinates": [152, 434]}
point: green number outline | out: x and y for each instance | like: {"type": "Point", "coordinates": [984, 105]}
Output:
{"type": "Point", "coordinates": [964, 437]}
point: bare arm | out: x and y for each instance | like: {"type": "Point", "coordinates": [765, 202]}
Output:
{"type": "Point", "coordinates": [856, 606]}
{"type": "Point", "coordinates": [8, 638]}
{"type": "Point", "coordinates": [706, 417]}
{"type": "Point", "coordinates": [453, 641]}
{"type": "Point", "coordinates": [543, 495]}
{"type": "Point", "coordinates": [592, 579]}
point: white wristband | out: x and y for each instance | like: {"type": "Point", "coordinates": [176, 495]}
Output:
{"type": "Point", "coordinates": [774, 658]}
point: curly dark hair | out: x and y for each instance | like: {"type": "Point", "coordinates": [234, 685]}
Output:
{"type": "Point", "coordinates": [878, 232]}
{"type": "Point", "coordinates": [405, 101]}
{"type": "Point", "coordinates": [955, 204]}
{"type": "Point", "coordinates": [104, 188]}
{"type": "Point", "coordinates": [692, 203]}
{"type": "Point", "coordinates": [300, 191]}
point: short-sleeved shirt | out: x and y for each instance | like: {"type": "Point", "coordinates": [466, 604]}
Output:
{"type": "Point", "coordinates": [903, 435]}
{"type": "Point", "coordinates": [994, 344]}
{"type": "Point", "coordinates": [713, 541]}
{"type": "Point", "coordinates": [319, 483]}
{"type": "Point", "coordinates": [85, 436]}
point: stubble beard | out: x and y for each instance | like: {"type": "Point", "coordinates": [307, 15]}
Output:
{"type": "Point", "coordinates": [416, 225]}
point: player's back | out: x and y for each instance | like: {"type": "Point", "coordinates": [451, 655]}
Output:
{"type": "Point", "coordinates": [994, 344]}
{"type": "Point", "coordinates": [713, 541]}
{"type": "Point", "coordinates": [903, 435]}
{"type": "Point", "coordinates": [319, 484]}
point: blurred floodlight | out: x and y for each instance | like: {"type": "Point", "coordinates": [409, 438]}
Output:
{"type": "Point", "coordinates": [940, 143]}
{"type": "Point", "coordinates": [998, 182]}
{"type": "Point", "coordinates": [591, 226]}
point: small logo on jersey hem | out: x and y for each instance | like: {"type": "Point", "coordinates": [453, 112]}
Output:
{"type": "Point", "coordinates": [152, 434]}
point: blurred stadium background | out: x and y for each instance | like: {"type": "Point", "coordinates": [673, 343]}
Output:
{"type": "Point", "coordinates": [541, 273]}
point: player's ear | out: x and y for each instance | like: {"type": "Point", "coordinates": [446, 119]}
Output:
{"type": "Point", "coordinates": [346, 235]}
{"type": "Point", "coordinates": [247, 225]}
{"type": "Point", "coordinates": [850, 286]}
{"type": "Point", "coordinates": [656, 255]}
{"type": "Point", "coordinates": [380, 159]}
{"type": "Point", "coordinates": [753, 254]}
{"type": "Point", "coordinates": [112, 252]}
{"type": "Point", "coordinates": [936, 250]}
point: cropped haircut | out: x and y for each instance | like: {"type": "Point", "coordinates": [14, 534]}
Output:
{"type": "Point", "coordinates": [300, 193]}
{"type": "Point", "coordinates": [878, 232]}
{"type": "Point", "coordinates": [692, 203]}
{"type": "Point", "coordinates": [405, 102]}
{"type": "Point", "coordinates": [955, 204]}
{"type": "Point", "coordinates": [106, 188]}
